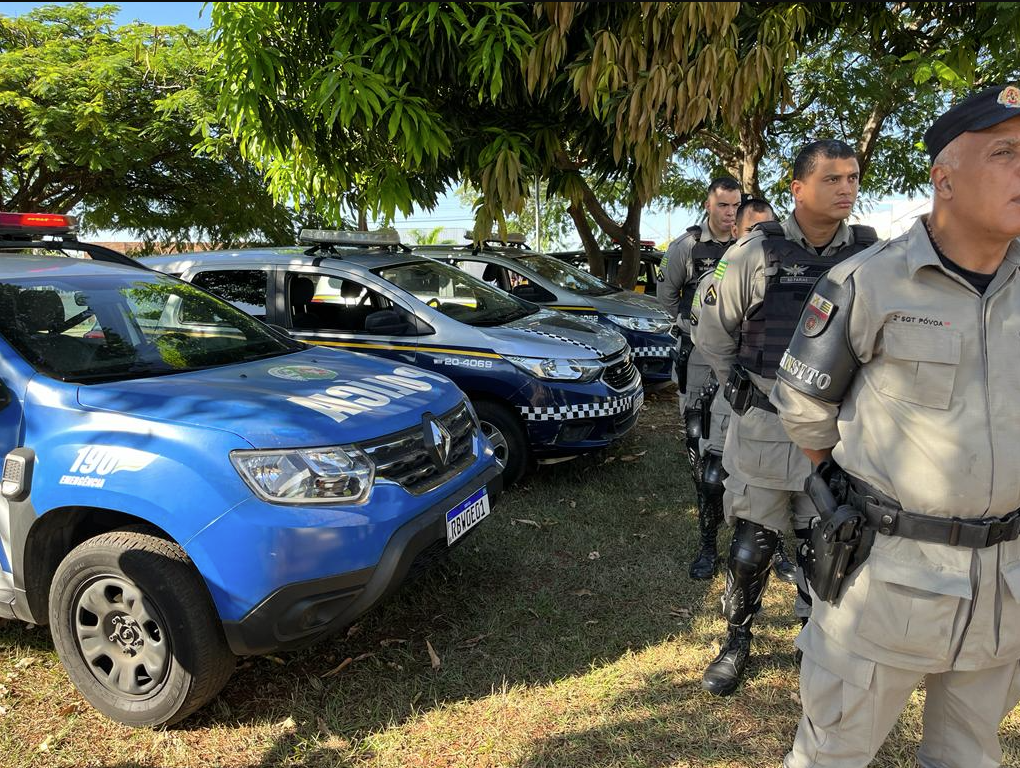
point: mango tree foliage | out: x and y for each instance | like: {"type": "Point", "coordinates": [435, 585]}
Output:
{"type": "Point", "coordinates": [383, 106]}
{"type": "Point", "coordinates": [875, 81]}
{"type": "Point", "coordinates": [102, 120]}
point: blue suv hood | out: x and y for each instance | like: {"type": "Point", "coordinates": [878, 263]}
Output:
{"type": "Point", "coordinates": [555, 334]}
{"type": "Point", "coordinates": [309, 398]}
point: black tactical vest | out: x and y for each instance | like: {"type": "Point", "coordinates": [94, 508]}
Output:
{"type": "Point", "coordinates": [790, 273]}
{"type": "Point", "coordinates": [704, 256]}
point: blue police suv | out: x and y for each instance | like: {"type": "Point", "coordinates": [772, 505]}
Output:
{"type": "Point", "coordinates": [545, 385]}
{"type": "Point", "coordinates": [183, 484]}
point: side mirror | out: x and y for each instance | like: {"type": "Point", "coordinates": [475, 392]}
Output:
{"type": "Point", "coordinates": [386, 322]}
{"type": "Point", "coordinates": [280, 330]}
{"type": "Point", "coordinates": [533, 293]}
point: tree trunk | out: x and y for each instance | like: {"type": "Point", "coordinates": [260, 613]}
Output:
{"type": "Point", "coordinates": [596, 260]}
{"type": "Point", "coordinates": [630, 245]}
{"type": "Point", "coordinates": [362, 219]}
{"type": "Point", "coordinates": [869, 136]}
{"type": "Point", "coordinates": [752, 149]}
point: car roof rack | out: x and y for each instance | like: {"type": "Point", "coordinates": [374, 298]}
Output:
{"type": "Point", "coordinates": [54, 232]}
{"type": "Point", "coordinates": [330, 240]}
{"type": "Point", "coordinates": [513, 241]}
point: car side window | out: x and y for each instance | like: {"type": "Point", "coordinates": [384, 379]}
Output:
{"type": "Point", "coordinates": [244, 288]}
{"type": "Point", "coordinates": [493, 274]}
{"type": "Point", "coordinates": [331, 303]}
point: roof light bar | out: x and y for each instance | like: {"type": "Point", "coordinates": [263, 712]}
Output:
{"type": "Point", "coordinates": [37, 223]}
{"type": "Point", "coordinates": [343, 237]}
{"type": "Point", "coordinates": [515, 238]}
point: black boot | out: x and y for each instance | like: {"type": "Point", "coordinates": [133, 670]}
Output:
{"type": "Point", "coordinates": [781, 565]}
{"type": "Point", "coordinates": [726, 671]}
{"type": "Point", "coordinates": [709, 516]}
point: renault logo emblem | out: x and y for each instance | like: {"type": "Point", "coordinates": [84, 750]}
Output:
{"type": "Point", "coordinates": [438, 440]}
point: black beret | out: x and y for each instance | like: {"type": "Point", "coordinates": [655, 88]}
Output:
{"type": "Point", "coordinates": [975, 113]}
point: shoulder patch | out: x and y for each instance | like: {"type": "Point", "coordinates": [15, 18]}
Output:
{"type": "Point", "coordinates": [711, 297]}
{"type": "Point", "coordinates": [720, 269]}
{"type": "Point", "coordinates": [817, 315]}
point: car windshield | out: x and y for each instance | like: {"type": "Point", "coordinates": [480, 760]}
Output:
{"type": "Point", "coordinates": [95, 328]}
{"type": "Point", "coordinates": [457, 294]}
{"type": "Point", "coordinates": [566, 276]}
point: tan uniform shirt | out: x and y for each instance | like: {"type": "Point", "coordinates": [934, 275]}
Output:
{"type": "Point", "coordinates": [758, 450]}
{"type": "Point", "coordinates": [720, 409]}
{"type": "Point", "coordinates": [679, 273]}
{"type": "Point", "coordinates": [930, 419]}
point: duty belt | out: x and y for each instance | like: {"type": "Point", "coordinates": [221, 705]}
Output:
{"type": "Point", "coordinates": [886, 516]}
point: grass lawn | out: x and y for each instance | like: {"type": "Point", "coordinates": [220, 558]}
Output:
{"type": "Point", "coordinates": [566, 633]}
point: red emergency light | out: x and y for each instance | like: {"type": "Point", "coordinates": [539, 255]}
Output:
{"type": "Point", "coordinates": [37, 223]}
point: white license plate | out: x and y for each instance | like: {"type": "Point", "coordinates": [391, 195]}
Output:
{"type": "Point", "coordinates": [639, 400]}
{"type": "Point", "coordinates": [466, 515]}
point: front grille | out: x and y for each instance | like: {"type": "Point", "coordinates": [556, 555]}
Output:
{"type": "Point", "coordinates": [405, 459]}
{"type": "Point", "coordinates": [620, 372]}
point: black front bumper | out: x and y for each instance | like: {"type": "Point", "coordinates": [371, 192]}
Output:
{"type": "Point", "coordinates": [299, 614]}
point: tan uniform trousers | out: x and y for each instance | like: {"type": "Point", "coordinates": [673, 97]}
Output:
{"type": "Point", "coordinates": [851, 704]}
{"type": "Point", "coordinates": [698, 372]}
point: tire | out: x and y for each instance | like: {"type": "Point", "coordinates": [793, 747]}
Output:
{"type": "Point", "coordinates": [132, 596]}
{"type": "Point", "coordinates": [504, 430]}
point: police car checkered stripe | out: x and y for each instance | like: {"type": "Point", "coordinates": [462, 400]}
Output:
{"type": "Point", "coordinates": [560, 338]}
{"type": "Point", "coordinates": [609, 407]}
{"type": "Point", "coordinates": [651, 351]}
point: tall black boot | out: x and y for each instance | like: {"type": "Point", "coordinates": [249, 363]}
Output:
{"type": "Point", "coordinates": [784, 569]}
{"type": "Point", "coordinates": [724, 674]}
{"type": "Point", "coordinates": [710, 514]}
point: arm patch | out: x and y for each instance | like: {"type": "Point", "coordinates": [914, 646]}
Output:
{"type": "Point", "coordinates": [820, 361]}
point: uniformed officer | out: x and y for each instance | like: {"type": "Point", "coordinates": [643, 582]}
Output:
{"type": "Point", "coordinates": [746, 320]}
{"type": "Point", "coordinates": [905, 367]}
{"type": "Point", "coordinates": [687, 258]}
{"type": "Point", "coordinates": [711, 408]}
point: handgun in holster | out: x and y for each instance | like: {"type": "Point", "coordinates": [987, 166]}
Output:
{"type": "Point", "coordinates": [705, 405]}
{"type": "Point", "coordinates": [839, 542]}
{"type": "Point", "coordinates": [681, 353]}
{"type": "Point", "coordinates": [738, 389]}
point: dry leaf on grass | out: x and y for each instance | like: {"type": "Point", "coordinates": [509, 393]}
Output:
{"type": "Point", "coordinates": [394, 665]}
{"type": "Point", "coordinates": [392, 641]}
{"type": "Point", "coordinates": [71, 709]}
{"type": "Point", "coordinates": [532, 523]}
{"type": "Point", "coordinates": [592, 622]}
{"type": "Point", "coordinates": [25, 662]}
{"type": "Point", "coordinates": [472, 642]}
{"type": "Point", "coordinates": [276, 660]}
{"type": "Point", "coordinates": [339, 667]}
{"type": "Point", "coordinates": [287, 725]}
{"type": "Point", "coordinates": [633, 456]}
{"type": "Point", "coordinates": [594, 555]}
{"type": "Point", "coordinates": [582, 592]}
{"type": "Point", "coordinates": [436, 661]}
{"type": "Point", "coordinates": [364, 656]}
{"type": "Point", "coordinates": [354, 629]}
{"type": "Point", "coordinates": [573, 504]}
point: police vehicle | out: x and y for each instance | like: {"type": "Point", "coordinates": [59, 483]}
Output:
{"type": "Point", "coordinates": [552, 283]}
{"type": "Point", "coordinates": [649, 267]}
{"type": "Point", "coordinates": [544, 385]}
{"type": "Point", "coordinates": [182, 484]}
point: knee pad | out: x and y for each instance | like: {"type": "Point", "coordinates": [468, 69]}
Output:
{"type": "Point", "coordinates": [712, 473]}
{"type": "Point", "coordinates": [752, 549]}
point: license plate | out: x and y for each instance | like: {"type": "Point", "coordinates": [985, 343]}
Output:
{"type": "Point", "coordinates": [639, 400]}
{"type": "Point", "coordinates": [466, 515]}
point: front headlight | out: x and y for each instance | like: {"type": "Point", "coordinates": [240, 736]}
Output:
{"type": "Point", "coordinates": [336, 475]}
{"type": "Point", "coordinates": [556, 369]}
{"type": "Point", "coordinates": [645, 324]}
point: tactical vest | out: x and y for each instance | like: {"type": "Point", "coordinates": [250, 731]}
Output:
{"type": "Point", "coordinates": [704, 256]}
{"type": "Point", "coordinates": [790, 273]}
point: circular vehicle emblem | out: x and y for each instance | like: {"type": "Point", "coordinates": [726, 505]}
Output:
{"type": "Point", "coordinates": [302, 373]}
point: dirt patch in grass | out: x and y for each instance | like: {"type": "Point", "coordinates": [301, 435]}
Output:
{"type": "Point", "coordinates": [566, 633]}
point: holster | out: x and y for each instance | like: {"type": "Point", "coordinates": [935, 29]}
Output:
{"type": "Point", "coordinates": [704, 404]}
{"type": "Point", "coordinates": [681, 353]}
{"type": "Point", "coordinates": [840, 540]}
